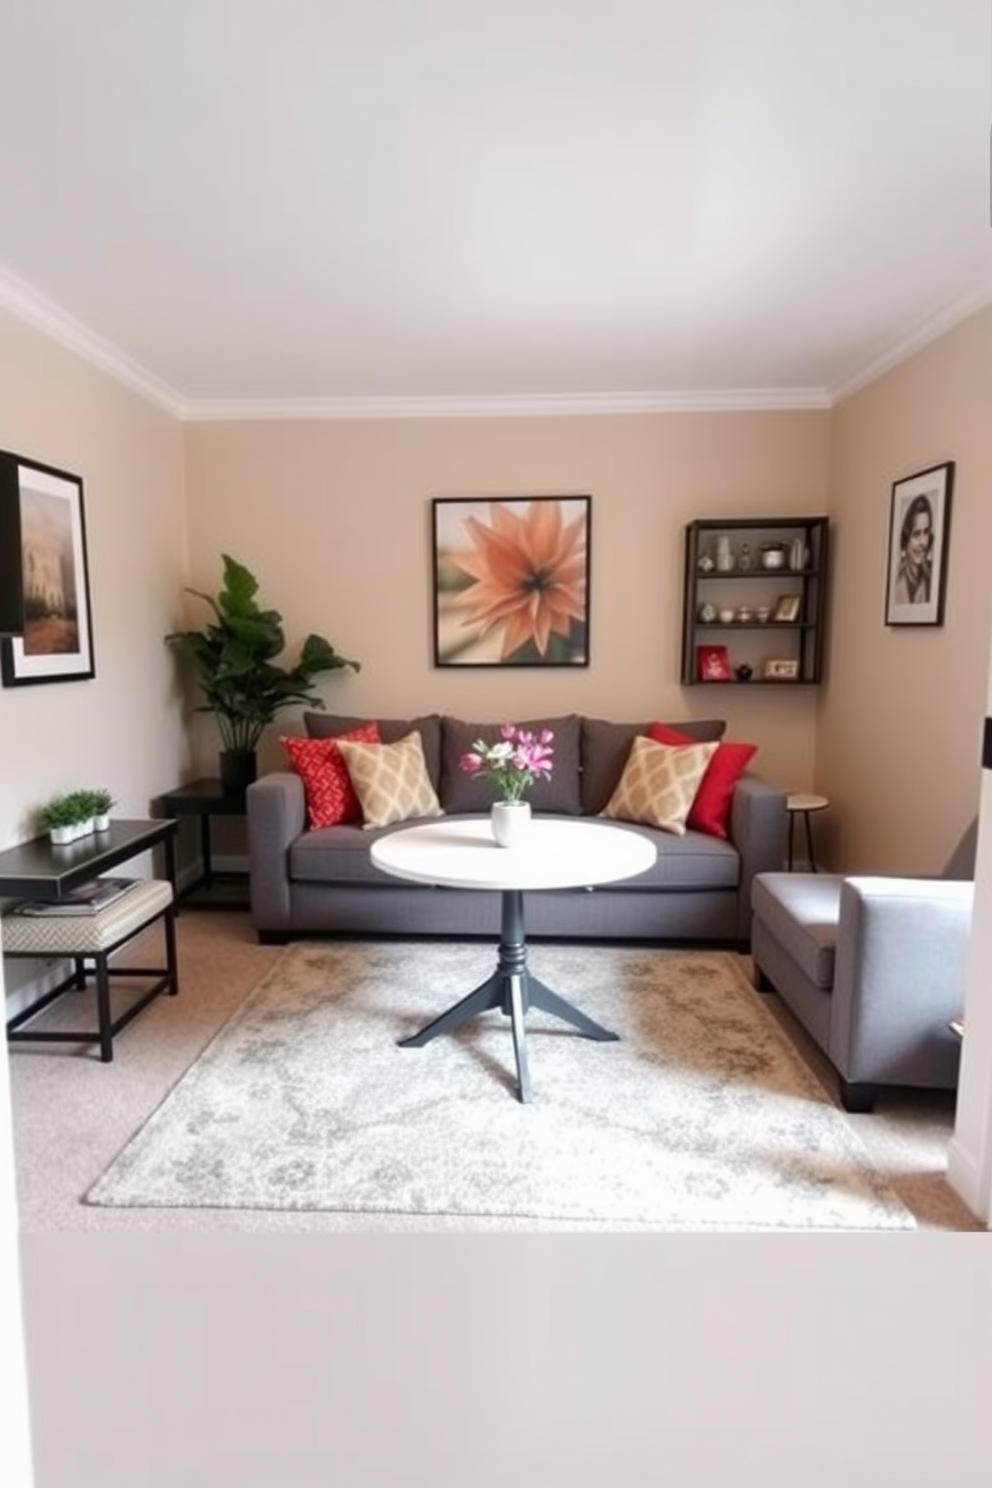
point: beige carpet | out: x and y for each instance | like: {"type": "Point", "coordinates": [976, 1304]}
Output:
{"type": "Point", "coordinates": [73, 1116]}
{"type": "Point", "coordinates": [702, 1116]}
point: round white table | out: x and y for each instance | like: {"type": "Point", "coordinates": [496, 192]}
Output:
{"type": "Point", "coordinates": [460, 853]}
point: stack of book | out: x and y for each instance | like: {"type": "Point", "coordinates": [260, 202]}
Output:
{"type": "Point", "coordinates": [86, 899]}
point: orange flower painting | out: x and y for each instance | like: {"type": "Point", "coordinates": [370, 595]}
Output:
{"type": "Point", "coordinates": [511, 581]}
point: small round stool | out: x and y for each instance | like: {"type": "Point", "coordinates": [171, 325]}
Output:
{"type": "Point", "coordinates": [798, 803]}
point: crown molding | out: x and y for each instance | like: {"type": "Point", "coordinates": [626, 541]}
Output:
{"type": "Point", "coordinates": [929, 330]}
{"type": "Point", "coordinates": [42, 313]}
{"type": "Point", "coordinates": [22, 300]}
{"type": "Point", "coordinates": [537, 405]}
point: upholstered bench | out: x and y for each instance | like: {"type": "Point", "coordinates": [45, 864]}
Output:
{"type": "Point", "coordinates": [90, 941]}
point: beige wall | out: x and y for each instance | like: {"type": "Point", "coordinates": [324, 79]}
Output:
{"type": "Point", "coordinates": [901, 712]}
{"type": "Point", "coordinates": [334, 519]}
{"type": "Point", "coordinates": [123, 728]}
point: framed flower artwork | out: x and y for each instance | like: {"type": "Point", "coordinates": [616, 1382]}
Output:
{"type": "Point", "coordinates": [511, 581]}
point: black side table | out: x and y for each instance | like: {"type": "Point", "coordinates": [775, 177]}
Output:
{"type": "Point", "coordinates": [204, 799]}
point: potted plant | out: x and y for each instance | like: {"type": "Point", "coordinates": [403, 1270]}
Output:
{"type": "Point", "coordinates": [234, 657]}
{"type": "Point", "coordinates": [99, 802]}
{"type": "Point", "coordinates": [66, 817]}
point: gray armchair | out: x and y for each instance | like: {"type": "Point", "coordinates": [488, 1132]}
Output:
{"type": "Point", "coordinates": [873, 967]}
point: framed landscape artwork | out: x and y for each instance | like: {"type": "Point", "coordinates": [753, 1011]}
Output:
{"type": "Point", "coordinates": [57, 640]}
{"type": "Point", "coordinates": [511, 581]}
{"type": "Point", "coordinates": [919, 522]}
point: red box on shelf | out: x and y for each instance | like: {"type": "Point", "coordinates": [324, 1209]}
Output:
{"type": "Point", "coordinates": [713, 663]}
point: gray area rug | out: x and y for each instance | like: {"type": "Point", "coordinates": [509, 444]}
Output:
{"type": "Point", "coordinates": [703, 1116]}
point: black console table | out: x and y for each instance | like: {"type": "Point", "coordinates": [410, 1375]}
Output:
{"type": "Point", "coordinates": [38, 870]}
{"type": "Point", "coordinates": [204, 799]}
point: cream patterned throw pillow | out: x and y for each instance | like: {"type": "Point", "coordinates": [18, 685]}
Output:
{"type": "Point", "coordinates": [658, 785]}
{"type": "Point", "coordinates": [390, 780]}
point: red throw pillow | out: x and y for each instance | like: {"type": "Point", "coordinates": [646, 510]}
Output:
{"type": "Point", "coordinates": [710, 811]}
{"type": "Point", "coordinates": [320, 765]}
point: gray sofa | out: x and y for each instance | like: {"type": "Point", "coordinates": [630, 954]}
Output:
{"type": "Point", "coordinates": [874, 968]}
{"type": "Point", "coordinates": [319, 882]}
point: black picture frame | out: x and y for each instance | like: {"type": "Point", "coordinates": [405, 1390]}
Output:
{"type": "Point", "coordinates": [56, 644]}
{"type": "Point", "coordinates": [511, 578]}
{"type": "Point", "coordinates": [915, 590]}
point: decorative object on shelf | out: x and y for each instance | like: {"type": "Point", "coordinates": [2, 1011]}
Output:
{"type": "Point", "coordinates": [724, 555]}
{"type": "Point", "coordinates": [56, 641]}
{"type": "Point", "coordinates": [744, 614]}
{"type": "Point", "coordinates": [763, 614]}
{"type": "Point", "coordinates": [798, 555]}
{"type": "Point", "coordinates": [726, 614]}
{"type": "Point", "coordinates": [513, 763]}
{"type": "Point", "coordinates": [746, 560]}
{"type": "Point", "coordinates": [234, 658]}
{"type": "Point", "coordinates": [787, 608]}
{"type": "Point", "coordinates": [744, 673]}
{"type": "Point", "coordinates": [773, 555]}
{"type": "Point", "coordinates": [919, 523]}
{"type": "Point", "coordinates": [713, 663]}
{"type": "Point", "coordinates": [707, 612]}
{"type": "Point", "coordinates": [782, 669]}
{"type": "Point", "coordinates": [705, 564]}
{"type": "Point", "coordinates": [511, 581]}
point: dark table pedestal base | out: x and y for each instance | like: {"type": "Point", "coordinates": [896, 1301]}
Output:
{"type": "Point", "coordinates": [513, 989]}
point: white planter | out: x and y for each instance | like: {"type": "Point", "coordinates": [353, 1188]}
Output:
{"type": "Point", "coordinates": [101, 823]}
{"type": "Point", "coordinates": [59, 836]}
{"type": "Point", "coordinates": [510, 822]}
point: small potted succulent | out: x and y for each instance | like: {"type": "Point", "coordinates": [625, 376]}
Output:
{"type": "Point", "coordinates": [99, 801]}
{"type": "Point", "coordinates": [65, 817]}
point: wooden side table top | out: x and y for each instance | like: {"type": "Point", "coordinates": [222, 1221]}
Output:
{"type": "Point", "coordinates": [805, 801]}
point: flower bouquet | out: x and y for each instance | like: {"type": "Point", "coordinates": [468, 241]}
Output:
{"type": "Point", "coordinates": [513, 763]}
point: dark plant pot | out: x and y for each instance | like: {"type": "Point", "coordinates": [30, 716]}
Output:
{"type": "Point", "coordinates": [238, 768]}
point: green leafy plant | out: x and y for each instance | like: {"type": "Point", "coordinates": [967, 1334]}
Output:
{"type": "Point", "coordinates": [65, 810]}
{"type": "Point", "coordinates": [234, 657]}
{"type": "Point", "coordinates": [98, 801]}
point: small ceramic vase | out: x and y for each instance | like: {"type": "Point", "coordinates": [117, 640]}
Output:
{"type": "Point", "coordinates": [510, 822]}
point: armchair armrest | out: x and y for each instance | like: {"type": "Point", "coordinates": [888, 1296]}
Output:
{"type": "Point", "coordinates": [275, 808]}
{"type": "Point", "coordinates": [900, 973]}
{"type": "Point", "coordinates": [758, 829]}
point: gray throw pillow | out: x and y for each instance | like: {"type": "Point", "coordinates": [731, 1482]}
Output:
{"type": "Point", "coordinates": [606, 745]}
{"type": "Point", "coordinates": [330, 725]}
{"type": "Point", "coordinates": [460, 792]}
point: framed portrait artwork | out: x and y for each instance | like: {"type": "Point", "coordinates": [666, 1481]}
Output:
{"type": "Point", "coordinates": [511, 581]}
{"type": "Point", "coordinates": [55, 643]}
{"type": "Point", "coordinates": [919, 523]}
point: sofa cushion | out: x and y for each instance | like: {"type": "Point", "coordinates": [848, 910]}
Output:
{"type": "Point", "coordinates": [606, 745]}
{"type": "Point", "coordinates": [460, 791]}
{"type": "Point", "coordinates": [330, 795]}
{"type": "Point", "coordinates": [390, 780]}
{"type": "Point", "coordinates": [428, 726]}
{"type": "Point", "coordinates": [801, 912]}
{"type": "Point", "coordinates": [710, 811]}
{"type": "Point", "coordinates": [659, 784]}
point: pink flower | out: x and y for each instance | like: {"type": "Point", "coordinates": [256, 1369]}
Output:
{"type": "Point", "coordinates": [514, 762]}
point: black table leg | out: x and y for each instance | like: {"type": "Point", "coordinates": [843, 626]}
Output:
{"type": "Point", "coordinates": [512, 989]}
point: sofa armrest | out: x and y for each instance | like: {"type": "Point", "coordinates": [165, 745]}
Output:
{"type": "Point", "coordinates": [899, 976]}
{"type": "Point", "coordinates": [275, 808]}
{"type": "Point", "coordinates": [758, 830]}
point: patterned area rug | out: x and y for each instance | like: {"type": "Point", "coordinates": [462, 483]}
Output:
{"type": "Point", "coordinates": [701, 1117]}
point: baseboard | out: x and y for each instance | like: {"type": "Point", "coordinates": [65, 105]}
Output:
{"type": "Point", "coordinates": [964, 1177]}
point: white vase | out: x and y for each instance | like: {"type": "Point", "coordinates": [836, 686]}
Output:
{"type": "Point", "coordinates": [510, 821]}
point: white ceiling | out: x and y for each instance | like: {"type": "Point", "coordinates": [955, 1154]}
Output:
{"type": "Point", "coordinates": [368, 205]}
